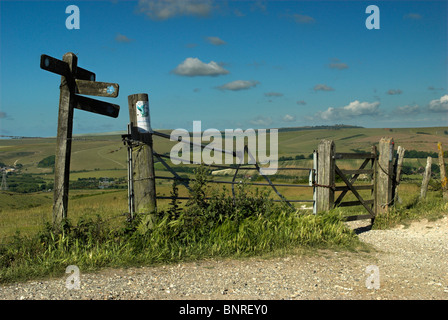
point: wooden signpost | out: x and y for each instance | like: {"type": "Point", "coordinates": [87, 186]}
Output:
{"type": "Point", "coordinates": [74, 81]}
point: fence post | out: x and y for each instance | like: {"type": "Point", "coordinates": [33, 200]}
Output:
{"type": "Point", "coordinates": [385, 174]}
{"type": "Point", "coordinates": [142, 156]}
{"type": "Point", "coordinates": [443, 178]}
{"type": "Point", "coordinates": [398, 165]}
{"type": "Point", "coordinates": [325, 175]}
{"type": "Point", "coordinates": [426, 178]}
{"type": "Point", "coordinates": [374, 192]}
{"type": "Point", "coordinates": [314, 181]}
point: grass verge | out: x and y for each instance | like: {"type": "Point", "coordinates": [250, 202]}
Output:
{"type": "Point", "coordinates": [249, 225]}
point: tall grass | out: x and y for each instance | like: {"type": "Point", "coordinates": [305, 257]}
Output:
{"type": "Point", "coordinates": [414, 208]}
{"type": "Point", "coordinates": [250, 224]}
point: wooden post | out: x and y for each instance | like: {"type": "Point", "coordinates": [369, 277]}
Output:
{"type": "Point", "coordinates": [373, 193]}
{"type": "Point", "coordinates": [143, 163]}
{"type": "Point", "coordinates": [325, 175]}
{"type": "Point", "coordinates": [384, 175]}
{"type": "Point", "coordinates": [64, 144]}
{"type": "Point", "coordinates": [73, 80]}
{"type": "Point", "coordinates": [398, 165]}
{"type": "Point", "coordinates": [443, 178]}
{"type": "Point", "coordinates": [426, 178]}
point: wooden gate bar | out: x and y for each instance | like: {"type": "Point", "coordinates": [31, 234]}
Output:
{"type": "Point", "coordinates": [354, 203]}
{"type": "Point", "coordinates": [362, 187]}
{"type": "Point", "coordinates": [352, 180]}
{"type": "Point", "coordinates": [357, 171]}
{"type": "Point", "coordinates": [353, 156]}
{"type": "Point", "coordinates": [353, 190]}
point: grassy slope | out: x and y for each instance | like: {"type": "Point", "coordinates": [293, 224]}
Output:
{"type": "Point", "coordinates": [108, 154]}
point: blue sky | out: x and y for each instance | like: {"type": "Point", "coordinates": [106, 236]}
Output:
{"type": "Point", "coordinates": [230, 64]}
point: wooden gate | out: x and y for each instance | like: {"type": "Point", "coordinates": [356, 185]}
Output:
{"type": "Point", "coordinates": [368, 204]}
{"type": "Point", "coordinates": [327, 170]}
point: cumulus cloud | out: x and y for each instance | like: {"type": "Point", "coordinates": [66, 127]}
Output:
{"type": "Point", "coordinates": [239, 85]}
{"type": "Point", "coordinates": [439, 105]}
{"type": "Point", "coordinates": [166, 9]}
{"type": "Point", "coordinates": [192, 67]}
{"type": "Point", "coordinates": [122, 38]}
{"type": "Point", "coordinates": [273, 94]}
{"type": "Point", "coordinates": [289, 118]}
{"type": "Point", "coordinates": [261, 121]}
{"type": "Point", "coordinates": [322, 87]}
{"type": "Point", "coordinates": [303, 19]}
{"type": "Point", "coordinates": [405, 110]}
{"type": "Point", "coordinates": [352, 110]}
{"type": "Point", "coordinates": [215, 41]}
{"type": "Point", "coordinates": [394, 92]}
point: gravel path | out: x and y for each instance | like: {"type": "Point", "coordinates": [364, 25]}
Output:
{"type": "Point", "coordinates": [412, 264]}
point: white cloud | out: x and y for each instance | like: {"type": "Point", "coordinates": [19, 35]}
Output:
{"type": "Point", "coordinates": [405, 110]}
{"type": "Point", "coordinates": [439, 105]}
{"type": "Point", "coordinates": [215, 41]}
{"type": "Point", "coordinates": [322, 87]}
{"type": "Point", "coordinates": [122, 38]}
{"type": "Point", "coordinates": [261, 121]}
{"type": "Point", "coordinates": [352, 110]}
{"type": "Point", "coordinates": [166, 9]}
{"type": "Point", "coordinates": [192, 67]}
{"type": "Point", "coordinates": [303, 19]}
{"type": "Point", "coordinates": [238, 85]}
{"type": "Point", "coordinates": [289, 118]}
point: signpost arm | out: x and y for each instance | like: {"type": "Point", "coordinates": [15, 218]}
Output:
{"type": "Point", "coordinates": [63, 143]}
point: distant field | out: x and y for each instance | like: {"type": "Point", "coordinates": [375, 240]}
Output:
{"type": "Point", "coordinates": [108, 152]}
{"type": "Point", "coordinates": [99, 156]}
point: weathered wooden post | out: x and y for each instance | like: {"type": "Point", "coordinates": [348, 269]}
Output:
{"type": "Point", "coordinates": [64, 143]}
{"type": "Point", "coordinates": [426, 178]}
{"type": "Point", "coordinates": [384, 175]}
{"type": "Point", "coordinates": [142, 155]}
{"type": "Point", "coordinates": [325, 175]}
{"type": "Point", "coordinates": [374, 193]}
{"type": "Point", "coordinates": [74, 81]}
{"type": "Point", "coordinates": [443, 178]}
{"type": "Point", "coordinates": [398, 165]}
